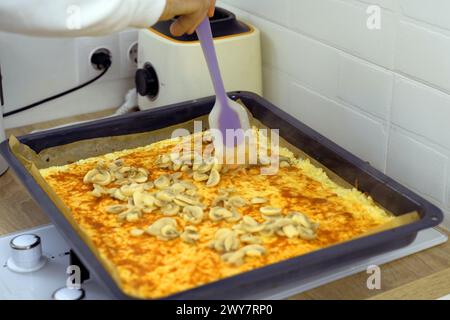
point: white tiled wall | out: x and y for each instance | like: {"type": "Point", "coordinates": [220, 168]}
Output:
{"type": "Point", "coordinates": [382, 94]}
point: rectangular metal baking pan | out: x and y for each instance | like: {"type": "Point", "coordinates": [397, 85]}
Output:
{"type": "Point", "coordinates": [388, 193]}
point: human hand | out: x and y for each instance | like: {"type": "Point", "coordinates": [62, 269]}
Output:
{"type": "Point", "coordinates": [190, 12]}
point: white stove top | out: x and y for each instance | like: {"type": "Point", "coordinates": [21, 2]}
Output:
{"type": "Point", "coordinates": [42, 284]}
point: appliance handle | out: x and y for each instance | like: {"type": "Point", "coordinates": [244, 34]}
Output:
{"type": "Point", "coordinates": [2, 101]}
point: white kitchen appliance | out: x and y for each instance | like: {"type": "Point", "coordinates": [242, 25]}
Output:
{"type": "Point", "coordinates": [3, 165]}
{"type": "Point", "coordinates": [173, 70]}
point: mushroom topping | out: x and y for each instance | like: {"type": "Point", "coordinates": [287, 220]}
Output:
{"type": "Point", "coordinates": [213, 179]}
{"type": "Point", "coordinates": [117, 194]}
{"type": "Point", "coordinates": [187, 199]}
{"type": "Point", "coordinates": [237, 201]}
{"type": "Point", "coordinates": [139, 176]}
{"type": "Point", "coordinates": [290, 231]}
{"type": "Point", "coordinates": [162, 182]}
{"type": "Point", "coordinates": [143, 199]}
{"type": "Point", "coordinates": [200, 176]}
{"type": "Point", "coordinates": [99, 191]}
{"type": "Point", "coordinates": [250, 239]}
{"type": "Point", "coordinates": [130, 189]}
{"type": "Point", "coordinates": [165, 195]}
{"type": "Point", "coordinates": [177, 188]}
{"type": "Point", "coordinates": [117, 209]}
{"type": "Point", "coordinates": [133, 215]}
{"type": "Point", "coordinates": [270, 211]}
{"type": "Point", "coordinates": [136, 232]}
{"type": "Point", "coordinates": [253, 250]}
{"type": "Point", "coordinates": [192, 214]}
{"type": "Point", "coordinates": [164, 229]}
{"type": "Point", "coordinates": [98, 176]}
{"type": "Point", "coordinates": [302, 220]}
{"type": "Point", "coordinates": [219, 213]}
{"type": "Point", "coordinates": [190, 235]}
{"type": "Point", "coordinates": [203, 168]}
{"type": "Point", "coordinates": [250, 225]}
{"type": "Point", "coordinates": [306, 234]}
{"type": "Point", "coordinates": [235, 258]}
{"type": "Point", "coordinates": [258, 200]}
{"type": "Point", "coordinates": [188, 185]}
{"type": "Point", "coordinates": [225, 240]}
{"type": "Point", "coordinates": [170, 209]}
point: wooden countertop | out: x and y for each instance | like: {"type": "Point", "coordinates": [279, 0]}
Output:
{"type": "Point", "coordinates": [425, 275]}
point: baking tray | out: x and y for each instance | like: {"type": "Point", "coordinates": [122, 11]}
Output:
{"type": "Point", "coordinates": [391, 195]}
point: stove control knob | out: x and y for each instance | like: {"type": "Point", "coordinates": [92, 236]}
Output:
{"type": "Point", "coordinates": [147, 83]}
{"type": "Point", "coordinates": [26, 254]}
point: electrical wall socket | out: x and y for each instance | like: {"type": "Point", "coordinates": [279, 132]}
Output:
{"type": "Point", "coordinates": [128, 49]}
{"type": "Point", "coordinates": [121, 46]}
{"type": "Point", "coordinates": [86, 46]}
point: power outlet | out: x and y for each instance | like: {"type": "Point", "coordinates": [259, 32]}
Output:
{"type": "Point", "coordinates": [86, 47]}
{"type": "Point", "coordinates": [128, 42]}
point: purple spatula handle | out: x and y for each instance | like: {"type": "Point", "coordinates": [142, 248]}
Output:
{"type": "Point", "coordinates": [206, 40]}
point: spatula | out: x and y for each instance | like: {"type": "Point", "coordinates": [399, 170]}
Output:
{"type": "Point", "coordinates": [226, 114]}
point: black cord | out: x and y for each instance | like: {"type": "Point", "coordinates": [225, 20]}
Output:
{"type": "Point", "coordinates": [101, 60]}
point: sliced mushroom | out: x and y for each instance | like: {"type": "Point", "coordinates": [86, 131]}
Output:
{"type": "Point", "coordinates": [99, 191]}
{"type": "Point", "coordinates": [253, 250]}
{"type": "Point", "coordinates": [177, 188]}
{"type": "Point", "coordinates": [188, 185]}
{"type": "Point", "coordinates": [168, 232]}
{"type": "Point", "coordinates": [237, 201]}
{"type": "Point", "coordinates": [164, 229]}
{"type": "Point", "coordinates": [117, 208]}
{"type": "Point", "coordinates": [136, 232]}
{"type": "Point", "coordinates": [306, 234]}
{"type": "Point", "coordinates": [187, 199]}
{"type": "Point", "coordinates": [170, 209]}
{"type": "Point", "coordinates": [190, 235]}
{"type": "Point", "coordinates": [162, 182]}
{"type": "Point", "coordinates": [133, 216]}
{"type": "Point", "coordinates": [130, 189]}
{"type": "Point", "coordinates": [219, 213]}
{"type": "Point", "coordinates": [213, 179]}
{"type": "Point", "coordinates": [165, 195]}
{"type": "Point", "coordinates": [102, 178]}
{"type": "Point", "coordinates": [235, 217]}
{"type": "Point", "coordinates": [250, 225]}
{"type": "Point", "coordinates": [203, 168]}
{"type": "Point", "coordinates": [270, 211]}
{"type": "Point", "coordinates": [250, 239]}
{"type": "Point", "coordinates": [139, 176]}
{"type": "Point", "coordinates": [301, 219]}
{"type": "Point", "coordinates": [119, 195]}
{"type": "Point", "coordinates": [235, 258]}
{"type": "Point", "coordinates": [192, 214]}
{"type": "Point", "coordinates": [225, 240]}
{"type": "Point", "coordinates": [89, 176]}
{"type": "Point", "coordinates": [290, 231]}
{"type": "Point", "coordinates": [200, 176]}
{"type": "Point", "coordinates": [143, 199]}
{"type": "Point", "coordinates": [258, 200]}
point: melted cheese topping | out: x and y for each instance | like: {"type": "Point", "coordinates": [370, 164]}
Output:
{"type": "Point", "coordinates": [149, 268]}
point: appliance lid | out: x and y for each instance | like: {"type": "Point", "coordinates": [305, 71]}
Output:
{"type": "Point", "coordinates": [224, 23]}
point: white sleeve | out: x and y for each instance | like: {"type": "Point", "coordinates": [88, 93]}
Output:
{"type": "Point", "coordinates": [77, 17]}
